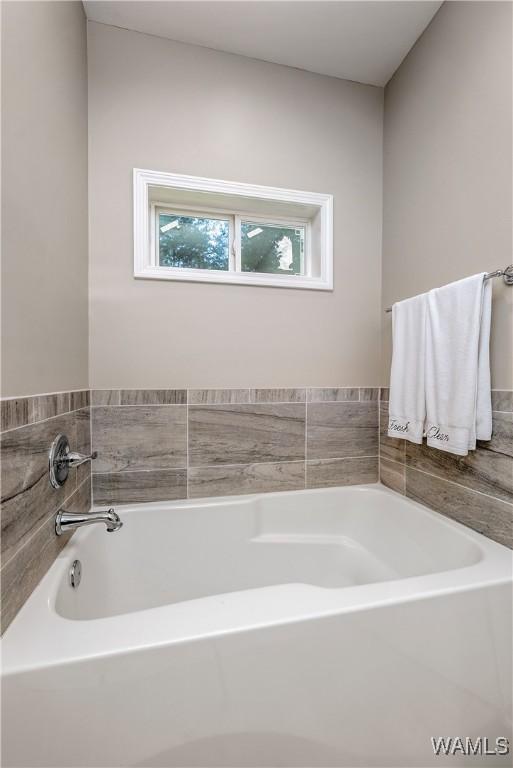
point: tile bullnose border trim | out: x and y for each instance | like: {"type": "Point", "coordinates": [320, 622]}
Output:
{"type": "Point", "coordinates": [232, 395]}
{"type": "Point", "coordinates": [16, 412]}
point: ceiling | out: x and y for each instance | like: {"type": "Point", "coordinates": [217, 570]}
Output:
{"type": "Point", "coordinates": [363, 41]}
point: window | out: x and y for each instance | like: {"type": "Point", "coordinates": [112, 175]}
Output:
{"type": "Point", "coordinates": [273, 248]}
{"type": "Point", "coordinates": [192, 241]}
{"type": "Point", "coordinates": [189, 228]}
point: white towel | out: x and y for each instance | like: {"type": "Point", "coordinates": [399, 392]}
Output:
{"type": "Point", "coordinates": [458, 395]}
{"type": "Point", "coordinates": [407, 406]}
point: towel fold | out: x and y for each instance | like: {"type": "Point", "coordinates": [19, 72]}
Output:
{"type": "Point", "coordinates": [407, 405]}
{"type": "Point", "coordinates": [457, 370]}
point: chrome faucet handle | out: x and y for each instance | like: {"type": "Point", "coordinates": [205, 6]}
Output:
{"type": "Point", "coordinates": [74, 459]}
{"type": "Point", "coordinates": [61, 460]}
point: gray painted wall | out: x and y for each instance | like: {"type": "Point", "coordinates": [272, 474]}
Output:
{"type": "Point", "coordinates": [448, 166]}
{"type": "Point", "coordinates": [168, 106]}
{"type": "Point", "coordinates": [44, 198]}
{"type": "Point", "coordinates": [447, 207]}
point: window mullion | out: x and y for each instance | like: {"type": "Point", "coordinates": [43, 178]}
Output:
{"type": "Point", "coordinates": [154, 235]}
{"type": "Point", "coordinates": [237, 243]}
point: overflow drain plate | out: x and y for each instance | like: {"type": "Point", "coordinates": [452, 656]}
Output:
{"type": "Point", "coordinates": [75, 573]}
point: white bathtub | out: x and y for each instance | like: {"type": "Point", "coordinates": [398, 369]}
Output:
{"type": "Point", "coordinates": [335, 627]}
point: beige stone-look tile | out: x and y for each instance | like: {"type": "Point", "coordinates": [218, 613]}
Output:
{"type": "Point", "coordinates": [340, 430]}
{"type": "Point", "coordinates": [392, 448]}
{"type": "Point", "coordinates": [246, 478]}
{"type": "Point", "coordinates": [135, 487]}
{"type": "Point", "coordinates": [139, 437]}
{"type": "Point", "coordinates": [333, 394]}
{"type": "Point", "coordinates": [488, 469]}
{"type": "Point", "coordinates": [369, 394]}
{"type": "Point", "coordinates": [47, 406]}
{"type": "Point", "coordinates": [393, 475]}
{"type": "Point", "coordinates": [15, 412]}
{"type": "Point", "coordinates": [218, 396]}
{"type": "Point", "coordinates": [502, 400]}
{"type": "Point", "coordinates": [22, 573]}
{"type": "Point", "coordinates": [153, 397]}
{"type": "Point", "coordinates": [277, 395]}
{"type": "Point", "coordinates": [246, 434]}
{"type": "Point", "coordinates": [105, 397]}
{"type": "Point", "coordinates": [337, 472]}
{"type": "Point", "coordinates": [492, 517]}
{"type": "Point", "coordinates": [27, 496]}
{"type": "Point", "coordinates": [79, 399]}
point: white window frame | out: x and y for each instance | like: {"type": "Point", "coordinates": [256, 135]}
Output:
{"type": "Point", "coordinates": [146, 264]}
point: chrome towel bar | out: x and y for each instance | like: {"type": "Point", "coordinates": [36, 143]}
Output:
{"type": "Point", "coordinates": [506, 274]}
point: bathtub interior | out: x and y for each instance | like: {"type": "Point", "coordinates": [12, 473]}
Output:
{"type": "Point", "coordinates": [329, 539]}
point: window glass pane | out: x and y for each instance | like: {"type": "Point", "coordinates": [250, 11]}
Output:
{"type": "Point", "coordinates": [193, 242]}
{"type": "Point", "coordinates": [272, 248]}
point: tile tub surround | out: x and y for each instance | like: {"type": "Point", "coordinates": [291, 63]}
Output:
{"type": "Point", "coordinates": [29, 503]}
{"type": "Point", "coordinates": [165, 444]}
{"type": "Point", "coordinates": [476, 490]}
{"type": "Point", "coordinates": [171, 444]}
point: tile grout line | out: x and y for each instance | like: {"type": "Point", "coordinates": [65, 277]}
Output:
{"type": "Point", "coordinates": [45, 521]}
{"type": "Point", "coordinates": [397, 464]}
{"type": "Point", "coordinates": [379, 435]}
{"type": "Point", "coordinates": [211, 405]}
{"type": "Point", "coordinates": [249, 402]}
{"type": "Point", "coordinates": [381, 458]}
{"type": "Point", "coordinates": [92, 449]}
{"type": "Point", "coordinates": [144, 405]}
{"type": "Point", "coordinates": [400, 464]}
{"type": "Point", "coordinates": [247, 464]}
{"type": "Point", "coordinates": [187, 444]}
{"type": "Point", "coordinates": [404, 469]}
{"type": "Point", "coordinates": [306, 440]}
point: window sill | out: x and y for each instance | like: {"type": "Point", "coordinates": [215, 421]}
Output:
{"type": "Point", "coordinates": [234, 278]}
